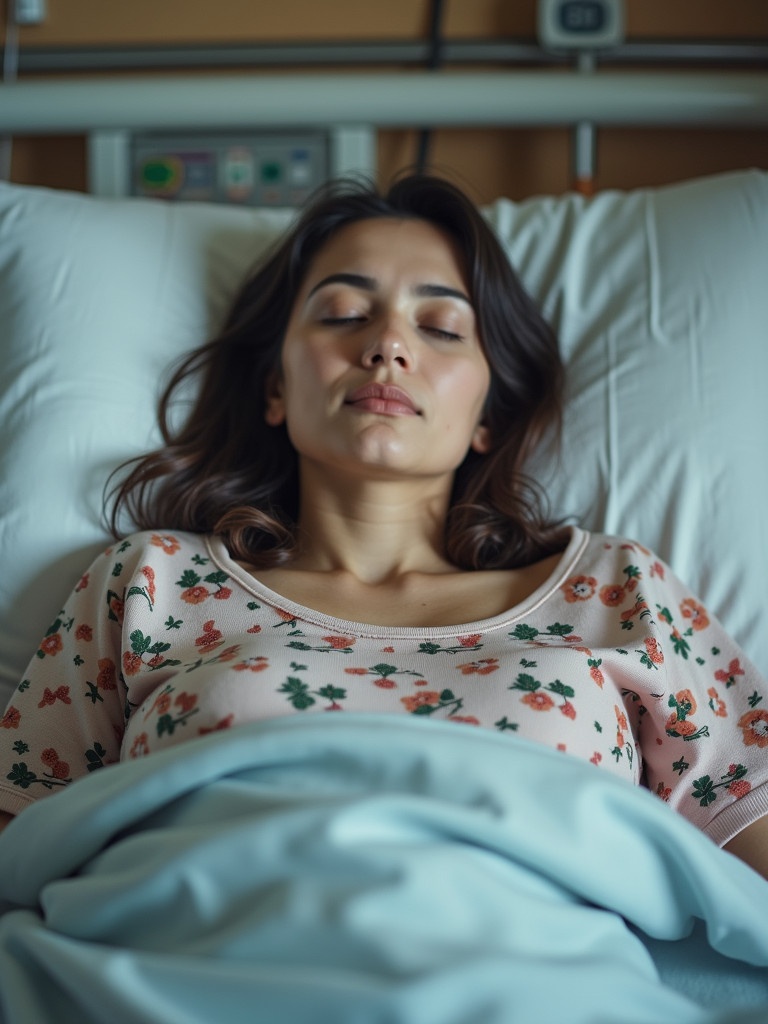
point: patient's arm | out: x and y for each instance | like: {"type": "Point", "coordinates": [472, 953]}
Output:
{"type": "Point", "coordinates": [5, 817]}
{"type": "Point", "coordinates": [751, 845]}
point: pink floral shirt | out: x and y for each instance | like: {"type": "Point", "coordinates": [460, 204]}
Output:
{"type": "Point", "coordinates": [612, 660]}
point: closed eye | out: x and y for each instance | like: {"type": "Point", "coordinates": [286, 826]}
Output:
{"type": "Point", "coordinates": [332, 321]}
{"type": "Point", "coordinates": [445, 335]}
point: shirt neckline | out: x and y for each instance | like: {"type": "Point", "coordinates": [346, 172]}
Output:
{"type": "Point", "coordinates": [217, 550]}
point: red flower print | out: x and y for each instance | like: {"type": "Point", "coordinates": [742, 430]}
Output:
{"type": "Point", "coordinates": [169, 544]}
{"type": "Point", "coordinates": [140, 746]}
{"type": "Point", "coordinates": [657, 569]}
{"type": "Point", "coordinates": [385, 684]}
{"type": "Point", "coordinates": [149, 575]}
{"type": "Point", "coordinates": [621, 718]}
{"type": "Point", "coordinates": [637, 608]}
{"type": "Point", "coordinates": [117, 607]}
{"type": "Point", "coordinates": [155, 660]}
{"type": "Point", "coordinates": [222, 594]}
{"type": "Point", "coordinates": [253, 629]}
{"type": "Point", "coordinates": [50, 697]}
{"type": "Point", "coordinates": [52, 644]}
{"type": "Point", "coordinates": [717, 705]}
{"type": "Point", "coordinates": [467, 719]}
{"type": "Point", "coordinates": [612, 595]}
{"type": "Point", "coordinates": [470, 641]}
{"type": "Point", "coordinates": [729, 676]}
{"type": "Point", "coordinates": [59, 768]}
{"type": "Point", "coordinates": [84, 633]}
{"type": "Point", "coordinates": [285, 616]}
{"type": "Point", "coordinates": [754, 726]}
{"type": "Point", "coordinates": [680, 727]}
{"type": "Point", "coordinates": [663, 792]}
{"type": "Point", "coordinates": [387, 650]}
{"type": "Point", "coordinates": [224, 723]}
{"type": "Point", "coordinates": [185, 701]}
{"type": "Point", "coordinates": [538, 701]}
{"type": "Point", "coordinates": [195, 595]}
{"type": "Point", "coordinates": [83, 582]}
{"type": "Point", "coordinates": [210, 639]}
{"type": "Point", "coordinates": [229, 653]}
{"type": "Point", "coordinates": [338, 643]}
{"type": "Point", "coordinates": [356, 671]}
{"type": "Point", "coordinates": [419, 699]}
{"type": "Point", "coordinates": [739, 788]}
{"type": "Point", "coordinates": [163, 704]}
{"type": "Point", "coordinates": [256, 664]}
{"type": "Point", "coordinates": [595, 672]}
{"type": "Point", "coordinates": [131, 663]}
{"type": "Point", "coordinates": [686, 701]}
{"type": "Point", "coordinates": [579, 588]}
{"type": "Point", "coordinates": [655, 653]}
{"type": "Point", "coordinates": [105, 680]}
{"type": "Point", "coordinates": [483, 667]}
{"type": "Point", "coordinates": [596, 758]}
{"type": "Point", "coordinates": [568, 710]}
{"type": "Point", "coordinates": [696, 612]}
{"type": "Point", "coordinates": [10, 719]}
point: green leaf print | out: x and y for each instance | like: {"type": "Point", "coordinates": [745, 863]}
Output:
{"type": "Point", "coordinates": [503, 724]}
{"type": "Point", "coordinates": [189, 578]}
{"type": "Point", "coordinates": [561, 689]}
{"type": "Point", "coordinates": [526, 682]}
{"type": "Point", "coordinates": [704, 791]}
{"type": "Point", "coordinates": [298, 693]}
{"type": "Point", "coordinates": [140, 644]}
{"type": "Point", "coordinates": [95, 757]}
{"type": "Point", "coordinates": [446, 699]}
{"type": "Point", "coordinates": [558, 629]}
{"type": "Point", "coordinates": [93, 694]}
{"type": "Point", "coordinates": [523, 632]}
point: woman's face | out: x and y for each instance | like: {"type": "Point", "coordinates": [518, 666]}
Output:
{"type": "Point", "coordinates": [383, 372]}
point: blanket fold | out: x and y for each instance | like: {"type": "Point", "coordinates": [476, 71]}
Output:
{"type": "Point", "coordinates": [360, 868]}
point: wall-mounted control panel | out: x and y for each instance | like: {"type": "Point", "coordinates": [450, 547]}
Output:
{"type": "Point", "coordinates": [249, 169]}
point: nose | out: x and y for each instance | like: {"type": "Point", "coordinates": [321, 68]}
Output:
{"type": "Point", "coordinates": [387, 347]}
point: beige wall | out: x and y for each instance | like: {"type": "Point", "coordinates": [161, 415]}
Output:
{"type": "Point", "coordinates": [515, 163]}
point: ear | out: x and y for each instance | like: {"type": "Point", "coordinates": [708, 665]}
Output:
{"type": "Point", "coordinates": [481, 440]}
{"type": "Point", "coordinates": [274, 405]}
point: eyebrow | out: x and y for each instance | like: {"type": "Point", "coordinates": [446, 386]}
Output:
{"type": "Point", "coordinates": [369, 284]}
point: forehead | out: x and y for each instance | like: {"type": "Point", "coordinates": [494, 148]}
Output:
{"type": "Point", "coordinates": [385, 248]}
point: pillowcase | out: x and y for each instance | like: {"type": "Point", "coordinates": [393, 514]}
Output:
{"type": "Point", "coordinates": [660, 300]}
{"type": "Point", "coordinates": [659, 297]}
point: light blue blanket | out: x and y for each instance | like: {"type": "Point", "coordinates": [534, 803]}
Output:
{"type": "Point", "coordinates": [358, 869]}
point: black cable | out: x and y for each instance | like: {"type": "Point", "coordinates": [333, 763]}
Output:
{"type": "Point", "coordinates": [434, 61]}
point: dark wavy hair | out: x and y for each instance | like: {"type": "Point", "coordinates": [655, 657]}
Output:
{"type": "Point", "coordinates": [226, 471]}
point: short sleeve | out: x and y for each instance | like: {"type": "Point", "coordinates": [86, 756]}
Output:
{"type": "Point", "coordinates": [704, 736]}
{"type": "Point", "coordinates": [66, 717]}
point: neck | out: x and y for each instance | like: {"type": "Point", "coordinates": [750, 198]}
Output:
{"type": "Point", "coordinates": [375, 530]}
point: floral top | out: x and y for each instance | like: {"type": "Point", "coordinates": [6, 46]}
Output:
{"type": "Point", "coordinates": [612, 660]}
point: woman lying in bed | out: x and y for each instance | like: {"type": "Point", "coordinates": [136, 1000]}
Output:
{"type": "Point", "coordinates": [344, 524]}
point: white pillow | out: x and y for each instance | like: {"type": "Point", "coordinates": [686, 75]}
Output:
{"type": "Point", "coordinates": [660, 297]}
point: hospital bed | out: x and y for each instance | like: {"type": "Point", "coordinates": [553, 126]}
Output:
{"type": "Point", "coordinates": [386, 885]}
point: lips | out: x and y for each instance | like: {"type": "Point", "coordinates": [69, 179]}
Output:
{"type": "Point", "coordinates": [383, 398]}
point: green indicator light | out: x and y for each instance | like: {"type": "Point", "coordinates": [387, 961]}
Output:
{"type": "Point", "coordinates": [162, 175]}
{"type": "Point", "coordinates": [270, 172]}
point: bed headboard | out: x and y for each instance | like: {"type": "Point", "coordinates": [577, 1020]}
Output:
{"type": "Point", "coordinates": [660, 298]}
